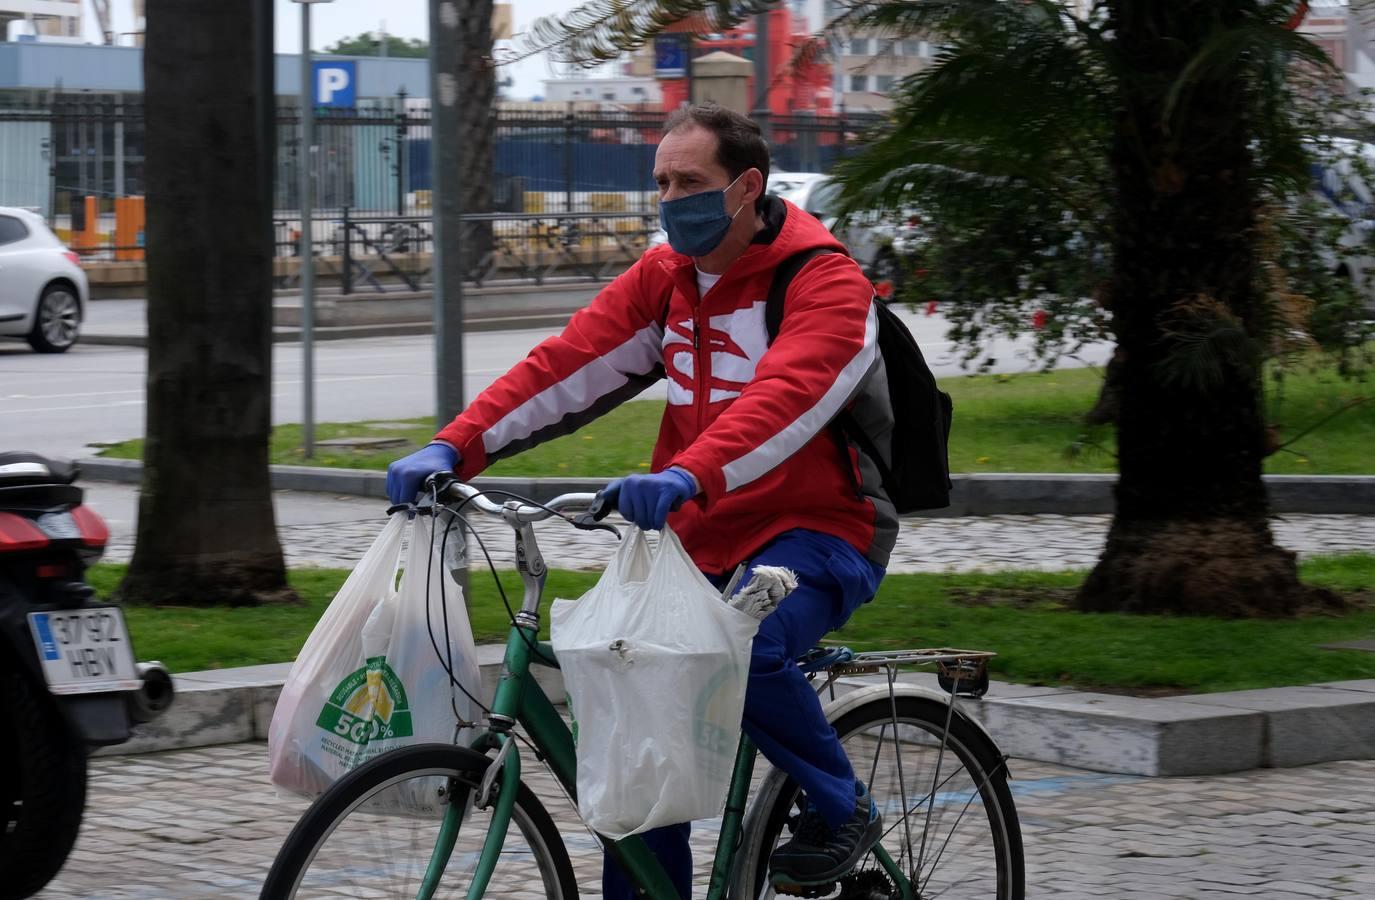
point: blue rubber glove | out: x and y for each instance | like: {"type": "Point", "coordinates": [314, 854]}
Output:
{"type": "Point", "coordinates": [407, 474]}
{"type": "Point", "coordinates": [647, 500]}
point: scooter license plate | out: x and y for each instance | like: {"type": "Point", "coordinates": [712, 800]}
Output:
{"type": "Point", "coordinates": [84, 651]}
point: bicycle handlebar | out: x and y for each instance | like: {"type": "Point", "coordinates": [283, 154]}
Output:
{"type": "Point", "coordinates": [451, 487]}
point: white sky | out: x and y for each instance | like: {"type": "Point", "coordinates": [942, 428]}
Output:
{"type": "Point", "coordinates": [345, 18]}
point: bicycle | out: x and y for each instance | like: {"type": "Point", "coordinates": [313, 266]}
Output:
{"type": "Point", "coordinates": [932, 769]}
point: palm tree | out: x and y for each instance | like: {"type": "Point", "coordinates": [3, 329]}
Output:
{"type": "Point", "coordinates": [206, 533]}
{"type": "Point", "coordinates": [1193, 118]}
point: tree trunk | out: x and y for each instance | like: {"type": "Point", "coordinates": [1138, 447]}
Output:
{"type": "Point", "coordinates": [206, 533]}
{"type": "Point", "coordinates": [1191, 532]}
{"type": "Point", "coordinates": [477, 92]}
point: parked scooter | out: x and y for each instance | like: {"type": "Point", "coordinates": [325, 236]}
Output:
{"type": "Point", "coordinates": [68, 679]}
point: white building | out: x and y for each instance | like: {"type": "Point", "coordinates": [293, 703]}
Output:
{"type": "Point", "coordinates": [627, 90]}
{"type": "Point", "coordinates": [50, 18]}
{"type": "Point", "coordinates": [1348, 36]}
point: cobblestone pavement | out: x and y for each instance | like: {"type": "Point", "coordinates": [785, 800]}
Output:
{"type": "Point", "coordinates": [1047, 542]}
{"type": "Point", "coordinates": [206, 823]}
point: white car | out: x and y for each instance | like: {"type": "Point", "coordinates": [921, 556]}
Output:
{"type": "Point", "coordinates": [882, 246]}
{"type": "Point", "coordinates": [43, 291]}
{"type": "Point", "coordinates": [1343, 187]}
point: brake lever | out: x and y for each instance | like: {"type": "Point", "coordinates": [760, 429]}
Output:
{"type": "Point", "coordinates": [591, 520]}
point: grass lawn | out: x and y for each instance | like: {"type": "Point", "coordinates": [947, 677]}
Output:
{"type": "Point", "coordinates": [1023, 616]}
{"type": "Point", "coordinates": [1003, 423]}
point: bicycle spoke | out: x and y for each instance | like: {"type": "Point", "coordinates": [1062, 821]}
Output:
{"type": "Point", "coordinates": [384, 845]}
{"type": "Point", "coordinates": [935, 862]}
{"type": "Point", "coordinates": [902, 784]}
{"type": "Point", "coordinates": [949, 713]}
{"type": "Point", "coordinates": [925, 798]}
{"type": "Point", "coordinates": [957, 847]}
{"type": "Point", "coordinates": [878, 751]}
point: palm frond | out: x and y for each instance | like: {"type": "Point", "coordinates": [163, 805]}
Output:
{"type": "Point", "coordinates": [1016, 94]}
{"type": "Point", "coordinates": [1265, 48]}
{"type": "Point", "coordinates": [602, 30]}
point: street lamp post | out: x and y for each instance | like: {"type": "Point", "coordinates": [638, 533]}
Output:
{"type": "Point", "coordinates": [307, 244]}
{"type": "Point", "coordinates": [400, 172]}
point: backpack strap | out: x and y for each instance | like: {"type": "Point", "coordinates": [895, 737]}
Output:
{"type": "Point", "coordinates": [843, 425]}
{"type": "Point", "coordinates": [778, 291]}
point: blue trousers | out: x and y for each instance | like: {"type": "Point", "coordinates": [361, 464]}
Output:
{"type": "Point", "coordinates": [783, 714]}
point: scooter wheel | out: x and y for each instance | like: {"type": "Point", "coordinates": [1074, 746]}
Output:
{"type": "Point", "coordinates": [42, 785]}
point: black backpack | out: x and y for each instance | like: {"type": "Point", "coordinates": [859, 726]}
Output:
{"type": "Point", "coordinates": [918, 475]}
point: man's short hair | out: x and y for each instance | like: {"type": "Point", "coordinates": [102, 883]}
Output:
{"type": "Point", "coordinates": [740, 144]}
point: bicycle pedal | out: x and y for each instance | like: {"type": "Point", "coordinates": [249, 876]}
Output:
{"type": "Point", "coordinates": [782, 885]}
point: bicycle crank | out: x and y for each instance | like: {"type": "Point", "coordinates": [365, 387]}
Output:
{"type": "Point", "coordinates": [803, 890]}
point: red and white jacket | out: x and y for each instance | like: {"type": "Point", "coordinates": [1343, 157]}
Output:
{"type": "Point", "coordinates": [746, 418]}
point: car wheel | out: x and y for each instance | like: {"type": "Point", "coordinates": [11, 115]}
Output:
{"type": "Point", "coordinates": [58, 320]}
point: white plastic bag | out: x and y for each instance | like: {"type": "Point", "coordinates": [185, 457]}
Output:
{"type": "Point", "coordinates": [655, 665]}
{"type": "Point", "coordinates": [368, 678]}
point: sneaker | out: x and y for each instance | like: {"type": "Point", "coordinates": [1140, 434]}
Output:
{"type": "Point", "coordinates": [817, 854]}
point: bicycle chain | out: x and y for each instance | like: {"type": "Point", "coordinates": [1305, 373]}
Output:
{"type": "Point", "coordinates": [867, 885]}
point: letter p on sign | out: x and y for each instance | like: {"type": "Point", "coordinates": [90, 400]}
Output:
{"type": "Point", "coordinates": [335, 83]}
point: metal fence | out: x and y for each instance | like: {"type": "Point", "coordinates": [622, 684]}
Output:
{"type": "Point", "coordinates": [372, 165]}
{"type": "Point", "coordinates": [382, 253]}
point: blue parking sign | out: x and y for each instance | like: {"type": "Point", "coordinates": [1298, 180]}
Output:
{"type": "Point", "coordinates": [336, 83]}
{"type": "Point", "coordinates": [670, 55]}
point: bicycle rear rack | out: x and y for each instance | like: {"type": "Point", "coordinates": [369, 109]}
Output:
{"type": "Point", "coordinates": [958, 672]}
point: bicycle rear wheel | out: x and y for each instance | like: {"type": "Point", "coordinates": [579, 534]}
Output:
{"type": "Point", "coordinates": [949, 822]}
{"type": "Point", "coordinates": [364, 837]}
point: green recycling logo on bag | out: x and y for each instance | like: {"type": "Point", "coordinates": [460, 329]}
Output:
{"type": "Point", "coordinates": [369, 705]}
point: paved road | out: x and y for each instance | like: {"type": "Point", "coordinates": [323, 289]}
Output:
{"type": "Point", "coordinates": [206, 823]}
{"type": "Point", "coordinates": [60, 404]}
{"type": "Point", "coordinates": [333, 531]}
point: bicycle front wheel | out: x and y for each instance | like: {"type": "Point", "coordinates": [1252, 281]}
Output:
{"type": "Point", "coordinates": [949, 824]}
{"type": "Point", "coordinates": [374, 834]}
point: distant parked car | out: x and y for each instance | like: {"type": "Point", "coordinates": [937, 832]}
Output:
{"type": "Point", "coordinates": [883, 249]}
{"type": "Point", "coordinates": [1343, 187]}
{"type": "Point", "coordinates": [43, 291]}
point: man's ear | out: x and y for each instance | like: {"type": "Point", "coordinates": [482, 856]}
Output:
{"type": "Point", "coordinates": [754, 185]}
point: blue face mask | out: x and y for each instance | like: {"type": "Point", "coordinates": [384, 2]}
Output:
{"type": "Point", "coordinates": [697, 224]}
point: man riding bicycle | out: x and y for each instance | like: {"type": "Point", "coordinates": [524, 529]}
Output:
{"type": "Point", "coordinates": [745, 468]}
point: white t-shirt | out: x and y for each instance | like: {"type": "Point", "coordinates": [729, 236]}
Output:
{"type": "Point", "coordinates": [705, 282]}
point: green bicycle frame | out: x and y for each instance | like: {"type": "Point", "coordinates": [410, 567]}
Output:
{"type": "Point", "coordinates": [519, 700]}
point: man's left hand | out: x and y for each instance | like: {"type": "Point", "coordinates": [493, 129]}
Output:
{"type": "Point", "coordinates": [647, 500]}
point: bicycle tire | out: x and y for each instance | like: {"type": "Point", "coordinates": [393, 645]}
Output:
{"type": "Point", "coordinates": [42, 786]}
{"type": "Point", "coordinates": [316, 860]}
{"type": "Point", "coordinates": [975, 755]}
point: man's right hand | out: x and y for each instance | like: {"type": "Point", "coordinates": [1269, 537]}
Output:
{"type": "Point", "coordinates": [407, 474]}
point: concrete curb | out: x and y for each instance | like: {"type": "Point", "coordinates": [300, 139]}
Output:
{"type": "Point", "coordinates": [1202, 734]}
{"type": "Point", "coordinates": [289, 335]}
{"type": "Point", "coordinates": [973, 495]}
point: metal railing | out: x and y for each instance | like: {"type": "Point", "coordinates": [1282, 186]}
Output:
{"type": "Point", "coordinates": [376, 160]}
{"type": "Point", "coordinates": [382, 253]}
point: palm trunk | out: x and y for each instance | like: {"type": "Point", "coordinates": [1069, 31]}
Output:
{"type": "Point", "coordinates": [1191, 532]}
{"type": "Point", "coordinates": [477, 91]}
{"type": "Point", "coordinates": [206, 533]}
